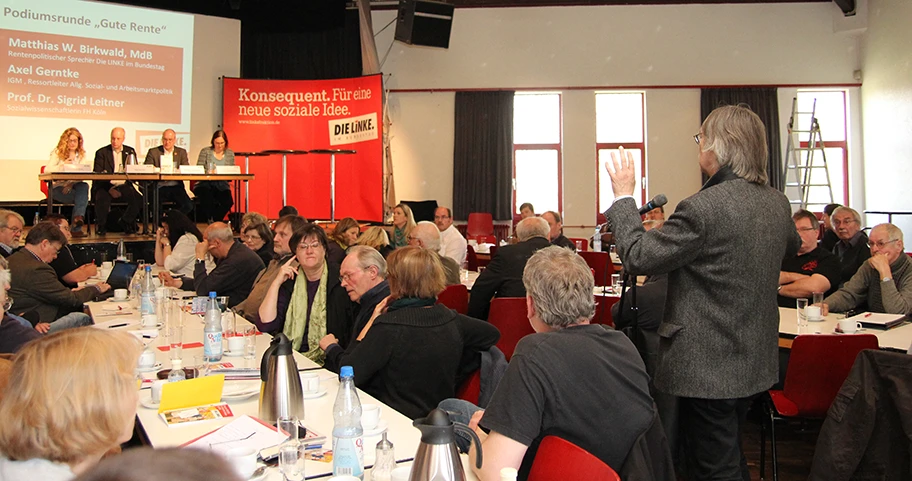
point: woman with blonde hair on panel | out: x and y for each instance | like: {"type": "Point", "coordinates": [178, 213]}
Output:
{"type": "Point", "coordinates": [69, 151]}
{"type": "Point", "coordinates": [71, 398]}
{"type": "Point", "coordinates": [343, 236]}
{"type": "Point", "coordinates": [403, 223]}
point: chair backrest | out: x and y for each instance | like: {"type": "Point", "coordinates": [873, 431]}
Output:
{"type": "Point", "coordinates": [480, 223]}
{"type": "Point", "coordinates": [600, 219]}
{"type": "Point", "coordinates": [485, 238]}
{"type": "Point", "coordinates": [558, 458]}
{"type": "Point", "coordinates": [508, 315]}
{"type": "Point", "coordinates": [600, 262]}
{"type": "Point", "coordinates": [456, 297]}
{"type": "Point", "coordinates": [42, 184]}
{"type": "Point", "coordinates": [471, 259]}
{"type": "Point", "coordinates": [470, 389]}
{"type": "Point", "coordinates": [603, 310]}
{"type": "Point", "coordinates": [584, 243]}
{"type": "Point", "coordinates": [818, 365]}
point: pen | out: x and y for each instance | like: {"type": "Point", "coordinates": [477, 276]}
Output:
{"type": "Point", "coordinates": [116, 325]}
{"type": "Point", "coordinates": [867, 315]}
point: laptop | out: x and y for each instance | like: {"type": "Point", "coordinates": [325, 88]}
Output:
{"type": "Point", "coordinates": [120, 278]}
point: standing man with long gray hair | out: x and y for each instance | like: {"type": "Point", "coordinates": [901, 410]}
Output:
{"type": "Point", "coordinates": [722, 249]}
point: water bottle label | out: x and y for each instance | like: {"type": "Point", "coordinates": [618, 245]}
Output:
{"type": "Point", "coordinates": [212, 345]}
{"type": "Point", "coordinates": [147, 305]}
{"type": "Point", "coordinates": [348, 456]}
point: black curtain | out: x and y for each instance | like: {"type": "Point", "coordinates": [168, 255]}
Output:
{"type": "Point", "coordinates": [764, 102]}
{"type": "Point", "coordinates": [483, 154]}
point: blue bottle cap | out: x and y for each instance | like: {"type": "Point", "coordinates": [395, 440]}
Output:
{"type": "Point", "coordinates": [211, 294]}
{"type": "Point", "coordinates": [347, 371]}
{"type": "Point", "coordinates": [148, 268]}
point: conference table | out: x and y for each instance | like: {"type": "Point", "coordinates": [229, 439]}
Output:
{"type": "Point", "coordinates": [317, 412]}
{"type": "Point", "coordinates": [235, 179]}
{"type": "Point", "coordinates": [896, 339]}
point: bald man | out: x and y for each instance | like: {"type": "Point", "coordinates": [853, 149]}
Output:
{"type": "Point", "coordinates": [169, 157]}
{"type": "Point", "coordinates": [236, 267]}
{"type": "Point", "coordinates": [111, 159]}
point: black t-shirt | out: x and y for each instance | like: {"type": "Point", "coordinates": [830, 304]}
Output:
{"type": "Point", "coordinates": [586, 384]}
{"type": "Point", "coordinates": [64, 264]}
{"type": "Point", "coordinates": [818, 261]}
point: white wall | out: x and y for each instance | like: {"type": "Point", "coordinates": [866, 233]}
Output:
{"type": "Point", "coordinates": [572, 48]}
{"type": "Point", "coordinates": [887, 110]}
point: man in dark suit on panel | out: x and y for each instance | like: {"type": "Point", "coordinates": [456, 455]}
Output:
{"type": "Point", "coordinates": [169, 157]}
{"type": "Point", "coordinates": [503, 276]}
{"type": "Point", "coordinates": [722, 250]}
{"type": "Point", "coordinates": [110, 159]}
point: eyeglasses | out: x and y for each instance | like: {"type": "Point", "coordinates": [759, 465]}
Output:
{"type": "Point", "coordinates": [441, 217]}
{"type": "Point", "coordinates": [348, 275]}
{"type": "Point", "coordinates": [16, 230]}
{"type": "Point", "coordinates": [8, 304]}
{"type": "Point", "coordinates": [838, 223]}
{"type": "Point", "coordinates": [880, 245]}
{"type": "Point", "coordinates": [314, 246]}
{"type": "Point", "coordinates": [807, 229]}
{"type": "Point", "coordinates": [697, 137]}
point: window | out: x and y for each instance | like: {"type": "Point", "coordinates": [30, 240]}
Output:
{"type": "Point", "coordinates": [831, 116]}
{"type": "Point", "coordinates": [537, 151]}
{"type": "Point", "coordinates": [619, 121]}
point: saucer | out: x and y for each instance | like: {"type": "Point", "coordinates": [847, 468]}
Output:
{"type": "Point", "coordinates": [240, 390]}
{"type": "Point", "coordinates": [262, 475]}
{"type": "Point", "coordinates": [228, 353]}
{"type": "Point", "coordinates": [378, 429]}
{"type": "Point", "coordinates": [148, 403]}
{"type": "Point", "coordinates": [816, 320]}
{"type": "Point", "coordinates": [315, 395]}
{"type": "Point", "coordinates": [151, 368]}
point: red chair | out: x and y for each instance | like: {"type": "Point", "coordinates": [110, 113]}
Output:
{"type": "Point", "coordinates": [470, 389]}
{"type": "Point", "coordinates": [509, 316]}
{"type": "Point", "coordinates": [817, 368]}
{"type": "Point", "coordinates": [558, 458]}
{"type": "Point", "coordinates": [600, 219]}
{"type": "Point", "coordinates": [583, 242]}
{"type": "Point", "coordinates": [600, 263]}
{"type": "Point", "coordinates": [43, 185]}
{"type": "Point", "coordinates": [471, 259]}
{"type": "Point", "coordinates": [456, 297]}
{"type": "Point", "coordinates": [480, 223]}
{"type": "Point", "coordinates": [603, 310]}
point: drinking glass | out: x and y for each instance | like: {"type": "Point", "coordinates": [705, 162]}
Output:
{"type": "Point", "coordinates": [291, 460]}
{"type": "Point", "coordinates": [229, 324]}
{"type": "Point", "coordinates": [288, 424]}
{"type": "Point", "coordinates": [801, 305]}
{"type": "Point", "coordinates": [250, 343]}
{"type": "Point", "coordinates": [616, 283]}
{"type": "Point", "coordinates": [175, 343]}
{"type": "Point", "coordinates": [579, 245]}
{"type": "Point", "coordinates": [201, 362]}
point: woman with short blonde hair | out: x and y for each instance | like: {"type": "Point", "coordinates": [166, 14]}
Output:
{"type": "Point", "coordinates": [71, 397]}
{"type": "Point", "coordinates": [377, 238]}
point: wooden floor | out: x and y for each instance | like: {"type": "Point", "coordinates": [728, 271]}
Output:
{"type": "Point", "coordinates": [795, 442]}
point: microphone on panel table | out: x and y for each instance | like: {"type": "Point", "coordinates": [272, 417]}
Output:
{"type": "Point", "coordinates": [657, 201]}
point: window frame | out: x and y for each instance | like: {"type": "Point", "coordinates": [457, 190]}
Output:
{"type": "Point", "coordinates": [641, 146]}
{"type": "Point", "coordinates": [836, 144]}
{"type": "Point", "coordinates": [558, 147]}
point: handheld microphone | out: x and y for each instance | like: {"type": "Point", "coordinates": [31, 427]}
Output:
{"type": "Point", "coordinates": [657, 201]}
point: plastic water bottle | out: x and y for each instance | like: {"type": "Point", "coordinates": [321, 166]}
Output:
{"type": "Point", "coordinates": [348, 441]}
{"type": "Point", "coordinates": [121, 250]}
{"type": "Point", "coordinates": [177, 372]}
{"type": "Point", "coordinates": [36, 219]}
{"type": "Point", "coordinates": [212, 333]}
{"type": "Point", "coordinates": [147, 306]}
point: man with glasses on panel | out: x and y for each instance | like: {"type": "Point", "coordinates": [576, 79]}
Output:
{"type": "Point", "coordinates": [884, 281]}
{"type": "Point", "coordinates": [852, 248]}
{"type": "Point", "coordinates": [812, 270]}
{"type": "Point", "coordinates": [11, 224]}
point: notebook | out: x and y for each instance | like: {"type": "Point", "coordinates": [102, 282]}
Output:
{"type": "Point", "coordinates": [876, 320]}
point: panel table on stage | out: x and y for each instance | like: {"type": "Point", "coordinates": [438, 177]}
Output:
{"type": "Point", "coordinates": [235, 180]}
{"type": "Point", "coordinates": [51, 177]}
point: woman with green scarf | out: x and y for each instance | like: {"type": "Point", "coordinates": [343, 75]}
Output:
{"type": "Point", "coordinates": [306, 300]}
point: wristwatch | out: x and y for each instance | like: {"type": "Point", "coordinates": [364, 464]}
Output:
{"type": "Point", "coordinates": [886, 279]}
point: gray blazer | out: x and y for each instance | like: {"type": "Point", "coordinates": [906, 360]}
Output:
{"type": "Point", "coordinates": [35, 287]}
{"type": "Point", "coordinates": [722, 249]}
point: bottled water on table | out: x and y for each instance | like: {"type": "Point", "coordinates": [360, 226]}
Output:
{"type": "Point", "coordinates": [147, 305]}
{"type": "Point", "coordinates": [212, 332]}
{"type": "Point", "coordinates": [348, 440]}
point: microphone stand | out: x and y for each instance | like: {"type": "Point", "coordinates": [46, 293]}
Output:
{"type": "Point", "coordinates": [632, 329]}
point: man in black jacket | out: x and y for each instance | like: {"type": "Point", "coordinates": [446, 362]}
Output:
{"type": "Point", "coordinates": [112, 159]}
{"type": "Point", "coordinates": [503, 276]}
{"type": "Point", "coordinates": [852, 248]}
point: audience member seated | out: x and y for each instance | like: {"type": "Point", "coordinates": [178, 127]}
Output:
{"type": "Point", "coordinates": [175, 244]}
{"type": "Point", "coordinates": [403, 223]}
{"type": "Point", "coordinates": [69, 151]}
{"type": "Point", "coordinates": [284, 230]}
{"type": "Point", "coordinates": [111, 159]}
{"type": "Point", "coordinates": [830, 238]}
{"type": "Point", "coordinates": [852, 248]}
{"type": "Point", "coordinates": [258, 238]}
{"type": "Point", "coordinates": [503, 276]}
{"type": "Point", "coordinates": [307, 301]}
{"type": "Point", "coordinates": [452, 243]}
{"type": "Point", "coordinates": [536, 396]}
{"type": "Point", "coordinates": [884, 281]}
{"type": "Point", "coordinates": [65, 265]}
{"type": "Point", "coordinates": [236, 267]}
{"type": "Point", "coordinates": [169, 158]}
{"type": "Point", "coordinates": [377, 238]}
{"type": "Point", "coordinates": [657, 214]}
{"type": "Point", "coordinates": [812, 270]}
{"type": "Point", "coordinates": [249, 219]}
{"type": "Point", "coordinates": [526, 210]}
{"type": "Point", "coordinates": [426, 236]}
{"type": "Point", "coordinates": [556, 230]}
{"type": "Point", "coordinates": [412, 353]}
{"type": "Point", "coordinates": [363, 275]}
{"type": "Point", "coordinates": [11, 225]}
{"type": "Point", "coordinates": [344, 235]}
{"type": "Point", "coordinates": [214, 196]}
{"type": "Point", "coordinates": [288, 210]}
{"type": "Point", "coordinates": [13, 332]}
{"type": "Point", "coordinates": [169, 464]}
{"type": "Point", "coordinates": [71, 397]}
{"type": "Point", "coordinates": [35, 285]}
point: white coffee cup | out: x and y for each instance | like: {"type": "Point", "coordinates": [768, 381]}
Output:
{"type": "Point", "coordinates": [813, 313]}
{"type": "Point", "coordinates": [149, 320]}
{"type": "Point", "coordinates": [147, 359]}
{"type": "Point", "coordinates": [236, 344]}
{"type": "Point", "coordinates": [157, 390]}
{"type": "Point", "coordinates": [344, 477]}
{"type": "Point", "coordinates": [401, 473]}
{"type": "Point", "coordinates": [849, 326]}
{"type": "Point", "coordinates": [370, 416]}
{"type": "Point", "coordinates": [107, 265]}
{"type": "Point", "coordinates": [310, 382]}
{"type": "Point", "coordinates": [120, 294]}
{"type": "Point", "coordinates": [243, 461]}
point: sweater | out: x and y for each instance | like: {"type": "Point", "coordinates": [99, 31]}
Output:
{"type": "Point", "coordinates": [892, 297]}
{"type": "Point", "coordinates": [413, 358]}
{"type": "Point", "coordinates": [367, 303]}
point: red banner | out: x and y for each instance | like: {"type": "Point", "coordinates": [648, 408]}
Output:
{"type": "Point", "coordinates": [306, 115]}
